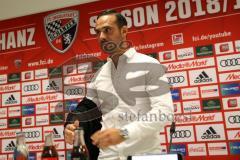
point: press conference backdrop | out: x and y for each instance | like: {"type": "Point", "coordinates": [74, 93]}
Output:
{"type": "Point", "coordinates": [48, 59]}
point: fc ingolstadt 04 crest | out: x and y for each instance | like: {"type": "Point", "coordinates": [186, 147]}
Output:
{"type": "Point", "coordinates": [61, 29]}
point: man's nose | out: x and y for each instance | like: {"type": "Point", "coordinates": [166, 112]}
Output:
{"type": "Point", "coordinates": [102, 36]}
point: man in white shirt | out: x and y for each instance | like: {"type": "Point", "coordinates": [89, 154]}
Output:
{"type": "Point", "coordinates": [139, 104]}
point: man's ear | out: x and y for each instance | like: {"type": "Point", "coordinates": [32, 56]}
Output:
{"type": "Point", "coordinates": [124, 31]}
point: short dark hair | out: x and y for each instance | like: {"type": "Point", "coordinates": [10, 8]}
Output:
{"type": "Point", "coordinates": [121, 20]}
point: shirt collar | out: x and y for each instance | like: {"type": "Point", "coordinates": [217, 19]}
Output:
{"type": "Point", "coordinates": [128, 54]}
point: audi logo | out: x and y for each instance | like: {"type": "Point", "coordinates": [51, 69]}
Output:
{"type": "Point", "coordinates": [230, 62]}
{"type": "Point", "coordinates": [75, 91]}
{"type": "Point", "coordinates": [182, 134]}
{"type": "Point", "coordinates": [33, 134]}
{"type": "Point", "coordinates": [32, 87]}
{"type": "Point", "coordinates": [234, 119]}
{"type": "Point", "coordinates": [176, 79]}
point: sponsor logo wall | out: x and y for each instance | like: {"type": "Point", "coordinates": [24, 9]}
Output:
{"type": "Point", "coordinates": [48, 59]}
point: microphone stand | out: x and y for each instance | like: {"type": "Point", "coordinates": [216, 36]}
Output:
{"type": "Point", "coordinates": [172, 130]}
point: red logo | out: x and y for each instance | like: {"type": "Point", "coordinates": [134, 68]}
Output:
{"type": "Point", "coordinates": [70, 69]}
{"type": "Point", "coordinates": [167, 56]}
{"type": "Point", "coordinates": [177, 38]}
{"type": "Point", "coordinates": [27, 75]}
{"type": "Point", "coordinates": [232, 103]}
{"type": "Point", "coordinates": [224, 47]}
{"type": "Point", "coordinates": [28, 121]}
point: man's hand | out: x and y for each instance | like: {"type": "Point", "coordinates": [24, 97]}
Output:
{"type": "Point", "coordinates": [108, 137]}
{"type": "Point", "coordinates": [69, 132]}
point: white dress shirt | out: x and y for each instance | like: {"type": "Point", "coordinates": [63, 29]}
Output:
{"type": "Point", "coordinates": [135, 96]}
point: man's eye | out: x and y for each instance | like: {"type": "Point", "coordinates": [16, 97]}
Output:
{"type": "Point", "coordinates": [107, 30]}
{"type": "Point", "coordinates": [97, 32]}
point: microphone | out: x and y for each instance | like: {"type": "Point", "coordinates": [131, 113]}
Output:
{"type": "Point", "coordinates": [172, 130]}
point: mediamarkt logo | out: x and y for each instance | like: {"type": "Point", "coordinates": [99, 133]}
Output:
{"type": "Point", "coordinates": [8, 133]}
{"type": "Point", "coordinates": [190, 64]}
{"type": "Point", "coordinates": [233, 76]}
{"type": "Point", "coordinates": [198, 118]}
